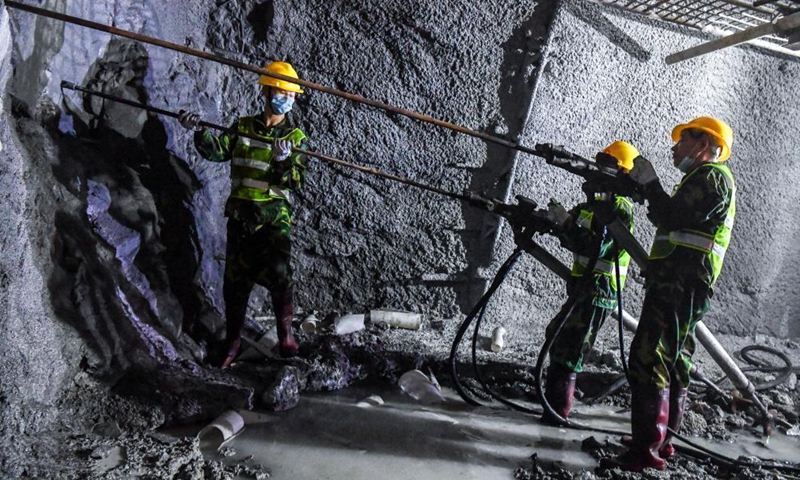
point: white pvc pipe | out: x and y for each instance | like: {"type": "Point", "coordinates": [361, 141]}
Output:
{"type": "Point", "coordinates": [223, 428]}
{"type": "Point", "coordinates": [347, 324]}
{"type": "Point", "coordinates": [397, 319]}
{"type": "Point", "coordinates": [714, 348]}
{"type": "Point", "coordinates": [309, 325]}
{"type": "Point", "coordinates": [497, 339]}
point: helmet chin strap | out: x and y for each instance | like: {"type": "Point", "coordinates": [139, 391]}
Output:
{"type": "Point", "coordinates": [687, 162]}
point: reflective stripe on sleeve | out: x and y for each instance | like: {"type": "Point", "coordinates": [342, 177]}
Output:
{"type": "Point", "coordinates": [702, 242]}
{"type": "Point", "coordinates": [251, 163]}
{"type": "Point", "coordinates": [250, 183]}
{"type": "Point", "coordinates": [601, 265]}
{"type": "Point", "coordinates": [249, 142]}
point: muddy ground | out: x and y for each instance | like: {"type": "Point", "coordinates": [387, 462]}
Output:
{"type": "Point", "coordinates": [123, 430]}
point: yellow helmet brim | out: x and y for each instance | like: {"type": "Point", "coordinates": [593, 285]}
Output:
{"type": "Point", "coordinates": [278, 83]}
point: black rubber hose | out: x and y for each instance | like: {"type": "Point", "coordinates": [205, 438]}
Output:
{"type": "Point", "coordinates": [499, 278]}
{"type": "Point", "coordinates": [620, 309]}
{"type": "Point", "coordinates": [462, 329]}
{"type": "Point", "coordinates": [479, 376]}
{"type": "Point", "coordinates": [564, 314]}
{"type": "Point", "coordinates": [786, 370]}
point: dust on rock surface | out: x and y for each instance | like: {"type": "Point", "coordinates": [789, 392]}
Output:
{"type": "Point", "coordinates": [113, 234]}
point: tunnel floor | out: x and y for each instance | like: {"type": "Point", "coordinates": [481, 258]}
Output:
{"type": "Point", "coordinates": [339, 435]}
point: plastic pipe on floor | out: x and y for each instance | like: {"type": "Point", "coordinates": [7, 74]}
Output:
{"type": "Point", "coordinates": [397, 319]}
{"type": "Point", "coordinates": [222, 429]}
{"type": "Point", "coordinates": [497, 339]}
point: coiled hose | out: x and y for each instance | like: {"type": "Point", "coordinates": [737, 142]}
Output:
{"type": "Point", "coordinates": [478, 311]}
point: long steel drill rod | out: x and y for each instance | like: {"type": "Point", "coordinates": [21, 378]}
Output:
{"type": "Point", "coordinates": [261, 71]}
{"type": "Point", "coordinates": [705, 337]}
{"type": "Point", "coordinates": [324, 158]}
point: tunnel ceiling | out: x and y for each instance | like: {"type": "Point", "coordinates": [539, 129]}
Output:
{"type": "Point", "coordinates": [722, 17]}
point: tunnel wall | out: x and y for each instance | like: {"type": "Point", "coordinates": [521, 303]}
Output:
{"type": "Point", "coordinates": [605, 79]}
{"type": "Point", "coordinates": [113, 232]}
{"type": "Point", "coordinates": [38, 356]}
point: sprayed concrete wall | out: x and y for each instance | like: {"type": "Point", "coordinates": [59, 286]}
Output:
{"type": "Point", "coordinates": [605, 79]}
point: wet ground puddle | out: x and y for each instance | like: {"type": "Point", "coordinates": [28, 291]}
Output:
{"type": "Point", "coordinates": [333, 436]}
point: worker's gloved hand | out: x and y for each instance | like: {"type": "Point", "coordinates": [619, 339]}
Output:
{"type": "Point", "coordinates": [545, 150]}
{"type": "Point", "coordinates": [643, 172]}
{"type": "Point", "coordinates": [189, 120]}
{"type": "Point", "coordinates": [521, 236]}
{"type": "Point", "coordinates": [281, 150]}
{"type": "Point", "coordinates": [557, 214]}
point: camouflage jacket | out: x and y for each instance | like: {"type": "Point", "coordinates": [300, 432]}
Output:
{"type": "Point", "coordinates": [701, 204]}
{"type": "Point", "coordinates": [583, 241]}
{"type": "Point", "coordinates": [288, 175]}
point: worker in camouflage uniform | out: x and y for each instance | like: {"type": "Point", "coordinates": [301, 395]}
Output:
{"type": "Point", "coordinates": [580, 231]}
{"type": "Point", "coordinates": [264, 172]}
{"type": "Point", "coordinates": [693, 232]}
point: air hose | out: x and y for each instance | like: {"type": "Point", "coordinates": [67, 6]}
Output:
{"type": "Point", "coordinates": [465, 324]}
{"type": "Point", "coordinates": [478, 311]}
{"type": "Point", "coordinates": [758, 366]}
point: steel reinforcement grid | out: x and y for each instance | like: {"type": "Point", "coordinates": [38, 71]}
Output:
{"type": "Point", "coordinates": [720, 16]}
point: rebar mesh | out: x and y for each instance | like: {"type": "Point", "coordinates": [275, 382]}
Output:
{"type": "Point", "coordinates": [724, 16]}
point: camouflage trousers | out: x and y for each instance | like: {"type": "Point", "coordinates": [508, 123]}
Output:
{"type": "Point", "coordinates": [578, 334]}
{"type": "Point", "coordinates": [664, 343]}
{"type": "Point", "coordinates": [256, 254]}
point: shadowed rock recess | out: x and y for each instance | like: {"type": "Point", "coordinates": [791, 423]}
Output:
{"type": "Point", "coordinates": [112, 234]}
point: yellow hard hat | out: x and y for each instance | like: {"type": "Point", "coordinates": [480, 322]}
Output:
{"type": "Point", "coordinates": [624, 152]}
{"type": "Point", "coordinates": [281, 68]}
{"type": "Point", "coordinates": [716, 128]}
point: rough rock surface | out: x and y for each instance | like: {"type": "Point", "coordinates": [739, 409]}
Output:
{"type": "Point", "coordinates": [605, 79]}
{"type": "Point", "coordinates": [284, 392]}
{"type": "Point", "coordinates": [111, 226]}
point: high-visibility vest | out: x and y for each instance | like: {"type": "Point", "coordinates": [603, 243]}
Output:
{"type": "Point", "coordinates": [714, 245]}
{"type": "Point", "coordinates": [604, 266]}
{"type": "Point", "coordinates": [252, 177]}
